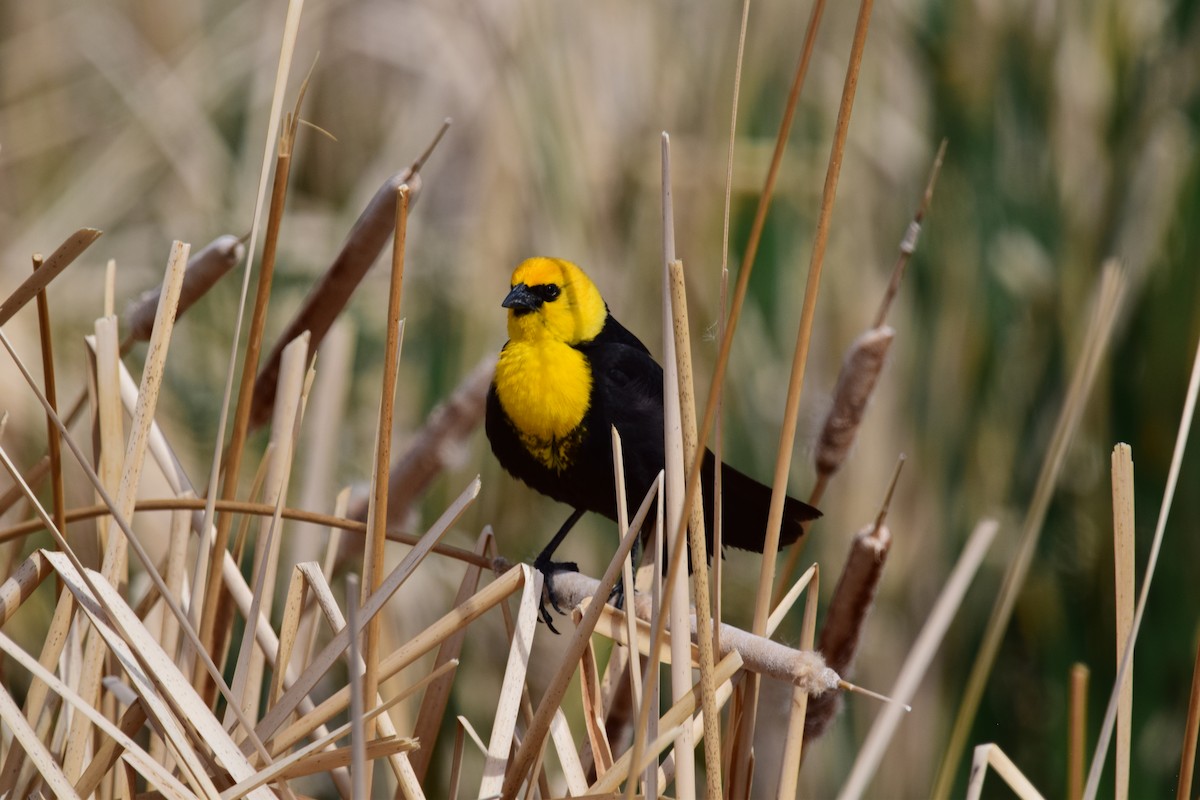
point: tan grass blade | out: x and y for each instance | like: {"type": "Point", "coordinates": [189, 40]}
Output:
{"type": "Point", "coordinates": [568, 755]}
{"type": "Point", "coordinates": [456, 762]}
{"type": "Point", "coordinates": [780, 612]}
{"type": "Point", "coordinates": [593, 708]}
{"type": "Point", "coordinates": [1123, 561]}
{"type": "Point", "coordinates": [51, 268]}
{"type": "Point", "coordinates": [1096, 340]}
{"type": "Point", "coordinates": [46, 340]}
{"type": "Point", "coordinates": [793, 743]}
{"type": "Point", "coordinates": [635, 682]}
{"type": "Point", "coordinates": [505, 719]}
{"type": "Point", "coordinates": [22, 583]}
{"type": "Point", "coordinates": [918, 660]}
{"type": "Point", "coordinates": [110, 427]}
{"type": "Point", "coordinates": [990, 755]}
{"type": "Point", "coordinates": [358, 746]}
{"type": "Point", "coordinates": [1185, 426]}
{"type": "Point", "coordinates": [1076, 730]}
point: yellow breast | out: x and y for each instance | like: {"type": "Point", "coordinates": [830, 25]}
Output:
{"type": "Point", "coordinates": [545, 388]}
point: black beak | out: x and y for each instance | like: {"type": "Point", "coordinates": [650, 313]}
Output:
{"type": "Point", "coordinates": [522, 297]}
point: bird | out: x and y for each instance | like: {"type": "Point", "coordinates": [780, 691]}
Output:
{"type": "Point", "coordinates": [567, 374]}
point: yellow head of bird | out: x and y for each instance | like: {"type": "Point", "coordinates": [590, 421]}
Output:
{"type": "Point", "coordinates": [553, 299]}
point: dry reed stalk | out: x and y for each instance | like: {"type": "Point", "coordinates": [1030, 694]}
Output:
{"type": "Point", "coordinates": [593, 707]}
{"type": "Point", "coordinates": [289, 409]}
{"type": "Point", "coordinates": [1123, 569]}
{"type": "Point", "coordinates": [521, 763]}
{"type": "Point", "coordinates": [1076, 729]}
{"type": "Point", "coordinates": [108, 427]}
{"type": "Point", "coordinates": [793, 744]}
{"type": "Point", "coordinates": [1096, 338]}
{"type": "Point", "coordinates": [50, 269]}
{"type": "Point", "coordinates": [115, 558]}
{"type": "Point", "coordinates": [340, 758]}
{"type": "Point", "coordinates": [329, 296]}
{"type": "Point", "coordinates": [169, 703]}
{"type": "Point", "coordinates": [268, 725]}
{"type": "Point", "coordinates": [787, 436]}
{"type": "Point", "coordinates": [111, 749]}
{"type": "Point", "coordinates": [674, 489]}
{"type": "Point", "coordinates": [436, 446]}
{"type": "Point", "coordinates": [918, 659]}
{"type": "Point", "coordinates": [1181, 437]}
{"type": "Point", "coordinates": [635, 683]}
{"type": "Point", "coordinates": [373, 551]}
{"type": "Point", "coordinates": [358, 761]}
{"type": "Point", "coordinates": [58, 492]}
{"type": "Point", "coordinates": [781, 610]}
{"type": "Point", "coordinates": [433, 704]}
{"type": "Point", "coordinates": [1187, 758]}
{"type": "Point", "coordinates": [507, 705]}
{"type": "Point", "coordinates": [211, 582]}
{"type": "Point", "coordinates": [22, 583]}
{"type": "Point", "coordinates": [990, 755]}
{"type": "Point", "coordinates": [37, 473]}
{"type": "Point", "coordinates": [697, 539]}
{"type": "Point", "coordinates": [204, 269]}
{"type": "Point", "coordinates": [636, 759]}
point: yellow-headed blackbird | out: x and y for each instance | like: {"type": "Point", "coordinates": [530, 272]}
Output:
{"type": "Point", "coordinates": [568, 372]}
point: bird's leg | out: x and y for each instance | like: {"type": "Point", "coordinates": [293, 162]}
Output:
{"type": "Point", "coordinates": [617, 596]}
{"type": "Point", "coordinates": [549, 568]}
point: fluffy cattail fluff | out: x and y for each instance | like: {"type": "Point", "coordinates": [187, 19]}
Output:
{"type": "Point", "coordinates": [204, 269]}
{"type": "Point", "coordinates": [856, 381]}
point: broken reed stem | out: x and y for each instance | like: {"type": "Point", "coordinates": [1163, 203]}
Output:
{"type": "Point", "coordinates": [697, 540]}
{"type": "Point", "coordinates": [237, 439]}
{"type": "Point", "coordinates": [246, 507]}
{"type": "Point", "coordinates": [1185, 426]}
{"type": "Point", "coordinates": [1096, 339]}
{"type": "Point", "coordinates": [1123, 570]}
{"type": "Point", "coordinates": [54, 444]}
{"type": "Point", "coordinates": [377, 518]}
{"type": "Point", "coordinates": [1076, 729]}
{"type": "Point", "coordinates": [787, 437]}
{"type": "Point", "coordinates": [51, 268]}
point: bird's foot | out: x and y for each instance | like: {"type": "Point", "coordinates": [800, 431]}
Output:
{"type": "Point", "coordinates": [617, 596]}
{"type": "Point", "coordinates": [549, 569]}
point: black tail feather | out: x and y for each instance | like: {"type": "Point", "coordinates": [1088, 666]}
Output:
{"type": "Point", "coordinates": [745, 507]}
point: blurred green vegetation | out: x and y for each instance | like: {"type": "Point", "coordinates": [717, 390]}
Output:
{"type": "Point", "coordinates": [1071, 128]}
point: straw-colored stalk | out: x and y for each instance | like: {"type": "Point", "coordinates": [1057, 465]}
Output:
{"type": "Point", "coordinates": [1123, 561]}
{"type": "Point", "coordinates": [51, 268]}
{"type": "Point", "coordinates": [990, 755]}
{"type": "Point", "coordinates": [787, 436]}
{"type": "Point", "coordinates": [54, 446]}
{"type": "Point", "coordinates": [1181, 438]}
{"type": "Point", "coordinates": [1076, 729]}
{"type": "Point", "coordinates": [793, 743]}
{"type": "Point", "coordinates": [1187, 759]}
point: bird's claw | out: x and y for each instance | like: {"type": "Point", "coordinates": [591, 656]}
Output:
{"type": "Point", "coordinates": [549, 569]}
{"type": "Point", "coordinates": [617, 596]}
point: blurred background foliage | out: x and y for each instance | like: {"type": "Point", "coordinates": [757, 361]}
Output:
{"type": "Point", "coordinates": [1072, 128]}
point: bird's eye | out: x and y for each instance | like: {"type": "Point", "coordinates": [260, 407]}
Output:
{"type": "Point", "coordinates": [551, 291]}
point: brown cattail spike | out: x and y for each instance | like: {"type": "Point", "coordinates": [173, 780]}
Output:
{"type": "Point", "coordinates": [860, 371]}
